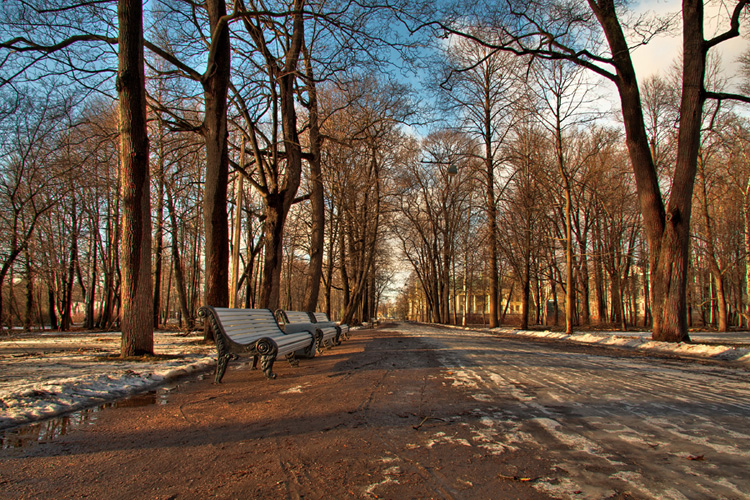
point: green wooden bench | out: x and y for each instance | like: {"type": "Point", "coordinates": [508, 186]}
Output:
{"type": "Point", "coordinates": [256, 333]}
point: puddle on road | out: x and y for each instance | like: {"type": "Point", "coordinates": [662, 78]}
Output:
{"type": "Point", "coordinates": [52, 428]}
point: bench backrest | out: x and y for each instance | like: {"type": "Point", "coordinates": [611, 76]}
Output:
{"type": "Point", "coordinates": [321, 317]}
{"type": "Point", "coordinates": [243, 325]}
{"type": "Point", "coordinates": [296, 317]}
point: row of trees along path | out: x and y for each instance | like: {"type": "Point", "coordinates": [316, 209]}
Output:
{"type": "Point", "coordinates": [293, 96]}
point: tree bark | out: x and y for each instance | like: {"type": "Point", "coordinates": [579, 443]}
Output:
{"type": "Point", "coordinates": [137, 302]}
{"type": "Point", "coordinates": [90, 300]}
{"type": "Point", "coordinates": [159, 233]}
{"type": "Point", "coordinates": [238, 197]}
{"type": "Point", "coordinates": [29, 292]}
{"type": "Point", "coordinates": [667, 227]}
{"type": "Point", "coordinates": [177, 264]}
{"type": "Point", "coordinates": [491, 228]}
{"type": "Point", "coordinates": [317, 207]}
{"type": "Point", "coordinates": [215, 132]}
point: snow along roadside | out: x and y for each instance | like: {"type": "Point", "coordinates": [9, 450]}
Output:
{"type": "Point", "coordinates": [47, 375]}
{"type": "Point", "coordinates": [628, 341]}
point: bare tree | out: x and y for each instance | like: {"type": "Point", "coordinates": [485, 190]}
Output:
{"type": "Point", "coordinates": [482, 87]}
{"type": "Point", "coordinates": [28, 184]}
{"type": "Point", "coordinates": [526, 28]}
{"type": "Point", "coordinates": [137, 301]}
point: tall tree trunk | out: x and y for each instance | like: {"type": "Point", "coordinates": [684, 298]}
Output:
{"type": "Point", "coordinates": [279, 203]}
{"type": "Point", "coordinates": [584, 282]}
{"type": "Point", "coordinates": [137, 302]}
{"type": "Point", "coordinates": [177, 264]}
{"type": "Point", "coordinates": [717, 273]}
{"type": "Point", "coordinates": [317, 207]}
{"type": "Point", "coordinates": [492, 232]}
{"type": "Point", "coordinates": [344, 264]}
{"type": "Point", "coordinates": [215, 132]}
{"type": "Point", "coordinates": [90, 300]}
{"type": "Point", "coordinates": [159, 233]}
{"type": "Point", "coordinates": [328, 279]}
{"type": "Point", "coordinates": [237, 237]}
{"type": "Point", "coordinates": [670, 279]}
{"type": "Point", "coordinates": [526, 284]}
{"type": "Point", "coordinates": [668, 228]}
{"type": "Point", "coordinates": [67, 304]}
{"type": "Point", "coordinates": [275, 219]}
{"type": "Point", "coordinates": [29, 291]}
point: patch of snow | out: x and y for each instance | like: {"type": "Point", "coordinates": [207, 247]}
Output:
{"type": "Point", "coordinates": [389, 473]}
{"type": "Point", "coordinates": [297, 389]}
{"type": "Point", "coordinates": [640, 340]}
{"type": "Point", "coordinates": [574, 441]}
{"type": "Point", "coordinates": [488, 436]}
{"type": "Point", "coordinates": [443, 438]}
{"type": "Point", "coordinates": [51, 374]}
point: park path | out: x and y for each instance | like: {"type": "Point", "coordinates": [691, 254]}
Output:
{"type": "Point", "coordinates": [416, 411]}
{"type": "Point", "coordinates": [655, 428]}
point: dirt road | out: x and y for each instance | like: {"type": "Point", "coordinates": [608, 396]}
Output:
{"type": "Point", "coordinates": [372, 418]}
{"type": "Point", "coordinates": [415, 412]}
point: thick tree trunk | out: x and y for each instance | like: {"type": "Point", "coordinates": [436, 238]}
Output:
{"type": "Point", "coordinates": [275, 218]}
{"type": "Point", "coordinates": [721, 302]}
{"type": "Point", "coordinates": [317, 207]}
{"type": "Point", "coordinates": [216, 226]}
{"type": "Point", "coordinates": [278, 203]}
{"type": "Point", "coordinates": [670, 280]}
{"type": "Point", "coordinates": [137, 302]}
{"type": "Point", "coordinates": [667, 228]}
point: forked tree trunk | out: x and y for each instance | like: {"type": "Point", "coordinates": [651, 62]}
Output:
{"type": "Point", "coordinates": [667, 228]}
{"type": "Point", "coordinates": [137, 301]}
{"type": "Point", "coordinates": [278, 202]}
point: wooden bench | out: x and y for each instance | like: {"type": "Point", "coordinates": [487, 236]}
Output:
{"type": "Point", "coordinates": [321, 318]}
{"type": "Point", "coordinates": [292, 321]}
{"type": "Point", "coordinates": [253, 332]}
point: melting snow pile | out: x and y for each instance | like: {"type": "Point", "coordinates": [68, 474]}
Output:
{"type": "Point", "coordinates": [49, 374]}
{"type": "Point", "coordinates": [640, 341]}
